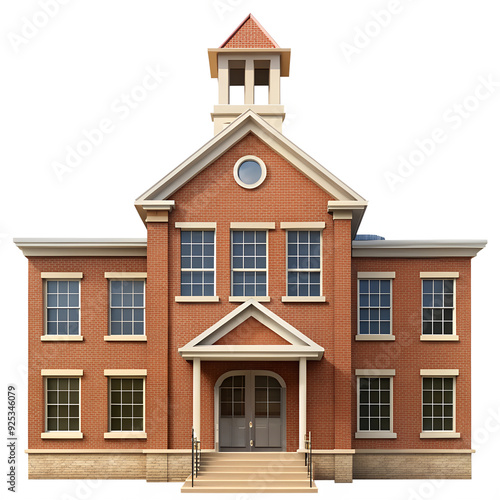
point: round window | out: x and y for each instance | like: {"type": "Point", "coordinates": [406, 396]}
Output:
{"type": "Point", "coordinates": [250, 172]}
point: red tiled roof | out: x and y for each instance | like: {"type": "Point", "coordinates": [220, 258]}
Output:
{"type": "Point", "coordinates": [249, 35]}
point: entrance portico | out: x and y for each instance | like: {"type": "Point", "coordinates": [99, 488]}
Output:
{"type": "Point", "coordinates": [290, 345]}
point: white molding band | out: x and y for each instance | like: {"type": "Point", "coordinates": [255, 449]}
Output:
{"type": "Point", "coordinates": [126, 275]}
{"type": "Point", "coordinates": [125, 435]}
{"type": "Point", "coordinates": [125, 338]}
{"type": "Point", "coordinates": [375, 373]}
{"type": "Point", "coordinates": [303, 225]}
{"type": "Point", "coordinates": [438, 274]}
{"type": "Point", "coordinates": [61, 338]}
{"type": "Point", "coordinates": [200, 298]}
{"type": "Point", "coordinates": [62, 435]}
{"type": "Point", "coordinates": [253, 225]}
{"type": "Point", "coordinates": [62, 373]}
{"type": "Point", "coordinates": [196, 225]}
{"type": "Point", "coordinates": [125, 373]}
{"type": "Point", "coordinates": [379, 275]}
{"type": "Point", "coordinates": [59, 276]}
{"type": "Point", "coordinates": [439, 373]}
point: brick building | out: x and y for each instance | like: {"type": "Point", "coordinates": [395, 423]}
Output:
{"type": "Point", "coordinates": [253, 313]}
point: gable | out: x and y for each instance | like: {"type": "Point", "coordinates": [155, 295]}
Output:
{"type": "Point", "coordinates": [251, 332]}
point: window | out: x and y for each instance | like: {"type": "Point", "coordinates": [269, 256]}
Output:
{"type": "Point", "coordinates": [62, 404]}
{"type": "Point", "coordinates": [126, 404]}
{"type": "Point", "coordinates": [197, 263]}
{"type": "Point", "coordinates": [438, 306]}
{"type": "Point", "coordinates": [249, 172]}
{"type": "Point", "coordinates": [374, 306]}
{"type": "Point", "coordinates": [249, 263]}
{"type": "Point", "coordinates": [63, 307]}
{"type": "Point", "coordinates": [438, 399]}
{"type": "Point", "coordinates": [304, 263]}
{"type": "Point", "coordinates": [127, 307]}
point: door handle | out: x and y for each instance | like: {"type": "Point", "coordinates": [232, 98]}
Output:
{"type": "Point", "coordinates": [250, 424]}
{"type": "Point", "coordinates": [251, 442]}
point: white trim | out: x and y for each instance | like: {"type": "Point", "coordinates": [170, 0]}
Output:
{"type": "Point", "coordinates": [125, 338]}
{"type": "Point", "coordinates": [302, 401]}
{"type": "Point", "coordinates": [197, 298]}
{"type": "Point", "coordinates": [375, 373]}
{"type": "Point", "coordinates": [440, 435]}
{"type": "Point", "coordinates": [262, 177]}
{"type": "Point", "coordinates": [62, 435]}
{"type": "Point", "coordinates": [125, 373]}
{"type": "Point", "coordinates": [61, 338]}
{"type": "Point", "coordinates": [62, 373]}
{"type": "Point", "coordinates": [374, 338]}
{"type": "Point", "coordinates": [375, 434]}
{"type": "Point", "coordinates": [61, 276]}
{"type": "Point", "coordinates": [303, 225]}
{"type": "Point", "coordinates": [252, 225]}
{"type": "Point", "coordinates": [440, 275]}
{"type": "Point", "coordinates": [125, 276]}
{"type": "Point", "coordinates": [377, 275]}
{"type": "Point", "coordinates": [321, 298]}
{"type": "Point", "coordinates": [125, 435]}
{"type": "Point", "coordinates": [197, 397]}
{"type": "Point", "coordinates": [439, 373]}
{"type": "Point", "coordinates": [439, 338]}
{"type": "Point", "coordinates": [196, 225]}
{"type": "Point", "coordinates": [234, 298]}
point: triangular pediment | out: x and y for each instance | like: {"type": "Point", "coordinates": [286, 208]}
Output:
{"type": "Point", "coordinates": [249, 34]}
{"type": "Point", "coordinates": [251, 123]}
{"type": "Point", "coordinates": [292, 346]}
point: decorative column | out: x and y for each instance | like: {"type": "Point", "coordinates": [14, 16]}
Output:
{"type": "Point", "coordinates": [196, 396]}
{"type": "Point", "coordinates": [302, 401]}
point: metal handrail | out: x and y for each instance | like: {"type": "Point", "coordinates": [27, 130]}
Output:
{"type": "Point", "coordinates": [308, 458]}
{"type": "Point", "coordinates": [195, 456]}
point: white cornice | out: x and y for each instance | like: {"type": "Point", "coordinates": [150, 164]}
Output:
{"type": "Point", "coordinates": [417, 248]}
{"type": "Point", "coordinates": [82, 247]}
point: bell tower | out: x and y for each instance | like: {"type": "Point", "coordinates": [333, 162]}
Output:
{"type": "Point", "coordinates": [249, 66]}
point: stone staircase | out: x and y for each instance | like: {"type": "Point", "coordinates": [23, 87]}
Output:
{"type": "Point", "coordinates": [271, 472]}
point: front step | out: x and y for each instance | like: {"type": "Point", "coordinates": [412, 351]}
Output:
{"type": "Point", "coordinates": [251, 473]}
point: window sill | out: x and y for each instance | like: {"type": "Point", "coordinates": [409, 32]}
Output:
{"type": "Point", "coordinates": [375, 435]}
{"type": "Point", "coordinates": [61, 338]}
{"type": "Point", "coordinates": [125, 338]}
{"type": "Point", "coordinates": [375, 337]}
{"type": "Point", "coordinates": [439, 338]}
{"type": "Point", "coordinates": [244, 299]}
{"type": "Point", "coordinates": [62, 435]}
{"type": "Point", "coordinates": [303, 299]}
{"type": "Point", "coordinates": [125, 435]}
{"type": "Point", "coordinates": [214, 298]}
{"type": "Point", "coordinates": [439, 435]}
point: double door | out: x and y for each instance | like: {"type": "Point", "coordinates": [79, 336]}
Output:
{"type": "Point", "coordinates": [251, 413]}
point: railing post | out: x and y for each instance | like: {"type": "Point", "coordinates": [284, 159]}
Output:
{"type": "Point", "coordinates": [310, 462]}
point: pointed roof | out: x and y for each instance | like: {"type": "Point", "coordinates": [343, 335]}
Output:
{"type": "Point", "coordinates": [251, 122]}
{"type": "Point", "coordinates": [249, 35]}
{"type": "Point", "coordinates": [298, 345]}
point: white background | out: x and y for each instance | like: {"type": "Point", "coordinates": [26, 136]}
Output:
{"type": "Point", "coordinates": [355, 115]}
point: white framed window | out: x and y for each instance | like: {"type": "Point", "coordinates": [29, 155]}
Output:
{"type": "Point", "coordinates": [439, 404]}
{"type": "Point", "coordinates": [197, 263]}
{"type": "Point", "coordinates": [438, 308]}
{"type": "Point", "coordinates": [127, 307]}
{"type": "Point", "coordinates": [304, 263]}
{"type": "Point", "coordinates": [62, 404]}
{"type": "Point", "coordinates": [62, 303]}
{"type": "Point", "coordinates": [375, 404]}
{"type": "Point", "coordinates": [249, 263]}
{"type": "Point", "coordinates": [249, 172]}
{"type": "Point", "coordinates": [126, 405]}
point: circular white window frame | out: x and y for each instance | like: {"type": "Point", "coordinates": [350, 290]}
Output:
{"type": "Point", "coordinates": [262, 175]}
